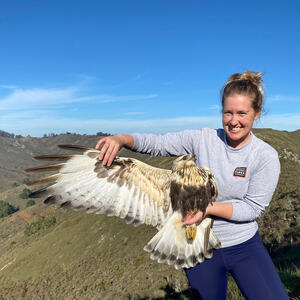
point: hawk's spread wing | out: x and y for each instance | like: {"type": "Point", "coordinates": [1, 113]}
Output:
{"type": "Point", "coordinates": [128, 188]}
{"type": "Point", "coordinates": [138, 193]}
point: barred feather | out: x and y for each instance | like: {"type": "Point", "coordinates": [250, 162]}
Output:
{"type": "Point", "coordinates": [47, 179]}
{"type": "Point", "coordinates": [58, 157]}
{"type": "Point", "coordinates": [75, 147]}
{"type": "Point", "coordinates": [46, 168]}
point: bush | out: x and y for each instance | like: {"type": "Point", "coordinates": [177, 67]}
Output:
{"type": "Point", "coordinates": [102, 134]}
{"type": "Point", "coordinates": [41, 224]}
{"type": "Point", "coordinates": [25, 180]}
{"type": "Point", "coordinates": [25, 194]}
{"type": "Point", "coordinates": [6, 209]}
{"type": "Point", "coordinates": [30, 203]}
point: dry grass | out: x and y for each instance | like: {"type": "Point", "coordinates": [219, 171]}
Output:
{"type": "Point", "coordinates": [95, 257]}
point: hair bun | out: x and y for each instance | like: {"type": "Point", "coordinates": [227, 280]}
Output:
{"type": "Point", "coordinates": [248, 83]}
{"type": "Point", "coordinates": [254, 77]}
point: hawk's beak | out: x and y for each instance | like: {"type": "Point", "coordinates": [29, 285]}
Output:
{"type": "Point", "coordinates": [191, 157]}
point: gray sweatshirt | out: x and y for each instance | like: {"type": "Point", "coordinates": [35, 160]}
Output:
{"type": "Point", "coordinates": [246, 177]}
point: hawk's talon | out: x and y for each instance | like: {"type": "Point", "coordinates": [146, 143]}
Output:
{"type": "Point", "coordinates": [190, 231]}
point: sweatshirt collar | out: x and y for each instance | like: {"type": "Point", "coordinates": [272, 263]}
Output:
{"type": "Point", "coordinates": [241, 148]}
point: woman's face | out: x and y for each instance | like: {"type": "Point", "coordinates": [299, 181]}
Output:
{"type": "Point", "coordinates": [238, 118]}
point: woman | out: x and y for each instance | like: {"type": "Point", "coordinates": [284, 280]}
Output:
{"type": "Point", "coordinates": [246, 170]}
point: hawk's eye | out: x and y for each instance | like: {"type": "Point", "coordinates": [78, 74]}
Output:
{"type": "Point", "coordinates": [184, 158]}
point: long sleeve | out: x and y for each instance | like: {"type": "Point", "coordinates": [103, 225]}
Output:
{"type": "Point", "coordinates": [170, 144]}
{"type": "Point", "coordinates": [261, 187]}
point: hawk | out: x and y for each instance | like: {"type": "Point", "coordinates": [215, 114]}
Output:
{"type": "Point", "coordinates": [140, 194]}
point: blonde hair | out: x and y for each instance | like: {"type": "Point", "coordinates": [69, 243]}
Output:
{"type": "Point", "coordinates": [248, 83]}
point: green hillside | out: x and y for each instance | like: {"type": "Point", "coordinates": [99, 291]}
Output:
{"type": "Point", "coordinates": [50, 253]}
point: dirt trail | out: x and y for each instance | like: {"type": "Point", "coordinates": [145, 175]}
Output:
{"type": "Point", "coordinates": [24, 215]}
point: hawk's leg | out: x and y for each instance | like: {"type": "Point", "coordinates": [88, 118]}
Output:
{"type": "Point", "coordinates": [190, 231]}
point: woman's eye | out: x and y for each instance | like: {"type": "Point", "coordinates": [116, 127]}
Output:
{"type": "Point", "coordinates": [242, 114]}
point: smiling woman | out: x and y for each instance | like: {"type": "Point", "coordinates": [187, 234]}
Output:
{"type": "Point", "coordinates": [242, 102]}
{"type": "Point", "coordinates": [246, 171]}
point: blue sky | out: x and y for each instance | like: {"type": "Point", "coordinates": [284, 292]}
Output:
{"type": "Point", "coordinates": [142, 65]}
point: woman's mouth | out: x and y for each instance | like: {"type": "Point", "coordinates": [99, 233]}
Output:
{"type": "Point", "coordinates": [234, 129]}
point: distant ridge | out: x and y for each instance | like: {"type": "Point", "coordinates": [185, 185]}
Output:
{"type": "Point", "coordinates": [6, 134]}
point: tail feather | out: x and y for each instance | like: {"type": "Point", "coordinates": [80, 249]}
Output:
{"type": "Point", "coordinates": [171, 245]}
{"type": "Point", "coordinates": [75, 147]}
{"type": "Point", "coordinates": [47, 179]}
{"type": "Point", "coordinates": [46, 168]}
{"type": "Point", "coordinates": [60, 157]}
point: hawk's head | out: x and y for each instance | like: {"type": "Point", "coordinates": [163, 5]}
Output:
{"type": "Point", "coordinates": [183, 161]}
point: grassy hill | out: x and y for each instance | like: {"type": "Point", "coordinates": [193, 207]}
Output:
{"type": "Point", "coordinates": [50, 253]}
{"type": "Point", "coordinates": [16, 154]}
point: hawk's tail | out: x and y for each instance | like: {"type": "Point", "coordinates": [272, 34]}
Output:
{"type": "Point", "coordinates": [170, 244]}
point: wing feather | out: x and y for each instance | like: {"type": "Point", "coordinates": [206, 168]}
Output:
{"type": "Point", "coordinates": [130, 189]}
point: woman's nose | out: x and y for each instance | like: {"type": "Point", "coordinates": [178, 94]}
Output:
{"type": "Point", "coordinates": [234, 119]}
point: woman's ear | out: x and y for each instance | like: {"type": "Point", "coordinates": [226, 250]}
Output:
{"type": "Point", "coordinates": [257, 115]}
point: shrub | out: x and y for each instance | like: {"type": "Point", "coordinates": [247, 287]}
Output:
{"type": "Point", "coordinates": [41, 224]}
{"type": "Point", "coordinates": [25, 194]}
{"type": "Point", "coordinates": [25, 180]}
{"type": "Point", "coordinates": [6, 209]}
{"type": "Point", "coordinates": [102, 134]}
{"type": "Point", "coordinates": [30, 203]}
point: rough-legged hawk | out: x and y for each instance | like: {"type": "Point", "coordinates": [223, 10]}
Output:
{"type": "Point", "coordinates": [138, 193]}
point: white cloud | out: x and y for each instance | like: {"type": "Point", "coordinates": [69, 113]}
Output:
{"type": "Point", "coordinates": [39, 98]}
{"type": "Point", "coordinates": [35, 98]}
{"type": "Point", "coordinates": [215, 107]}
{"type": "Point", "coordinates": [8, 87]}
{"type": "Point", "coordinates": [132, 113]}
{"type": "Point", "coordinates": [46, 123]}
{"type": "Point", "coordinates": [111, 98]}
{"type": "Point", "coordinates": [283, 98]}
{"type": "Point", "coordinates": [288, 122]}
{"type": "Point", "coordinates": [37, 126]}
{"type": "Point", "coordinates": [35, 112]}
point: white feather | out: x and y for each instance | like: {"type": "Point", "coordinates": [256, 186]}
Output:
{"type": "Point", "coordinates": [171, 245]}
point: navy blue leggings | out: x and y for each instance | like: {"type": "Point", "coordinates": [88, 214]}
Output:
{"type": "Point", "coordinates": [251, 267]}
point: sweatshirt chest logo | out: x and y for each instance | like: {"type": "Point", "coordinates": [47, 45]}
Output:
{"type": "Point", "coordinates": [240, 172]}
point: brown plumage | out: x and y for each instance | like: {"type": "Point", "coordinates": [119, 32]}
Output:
{"type": "Point", "coordinates": [192, 187]}
{"type": "Point", "coordinates": [138, 193]}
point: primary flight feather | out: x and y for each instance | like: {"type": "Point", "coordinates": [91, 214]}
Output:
{"type": "Point", "coordinates": [140, 194]}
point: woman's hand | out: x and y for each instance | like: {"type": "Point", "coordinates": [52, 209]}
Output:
{"type": "Point", "coordinates": [111, 145]}
{"type": "Point", "coordinates": [223, 210]}
{"type": "Point", "coordinates": [193, 218]}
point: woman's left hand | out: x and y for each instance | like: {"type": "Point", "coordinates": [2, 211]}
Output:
{"type": "Point", "coordinates": [223, 210]}
{"type": "Point", "coordinates": [193, 218]}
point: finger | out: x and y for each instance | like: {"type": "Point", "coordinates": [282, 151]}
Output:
{"type": "Point", "coordinates": [103, 151]}
{"type": "Point", "coordinates": [113, 155]}
{"type": "Point", "coordinates": [107, 155]}
{"type": "Point", "coordinates": [99, 143]}
{"type": "Point", "coordinates": [187, 219]}
{"type": "Point", "coordinates": [192, 219]}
